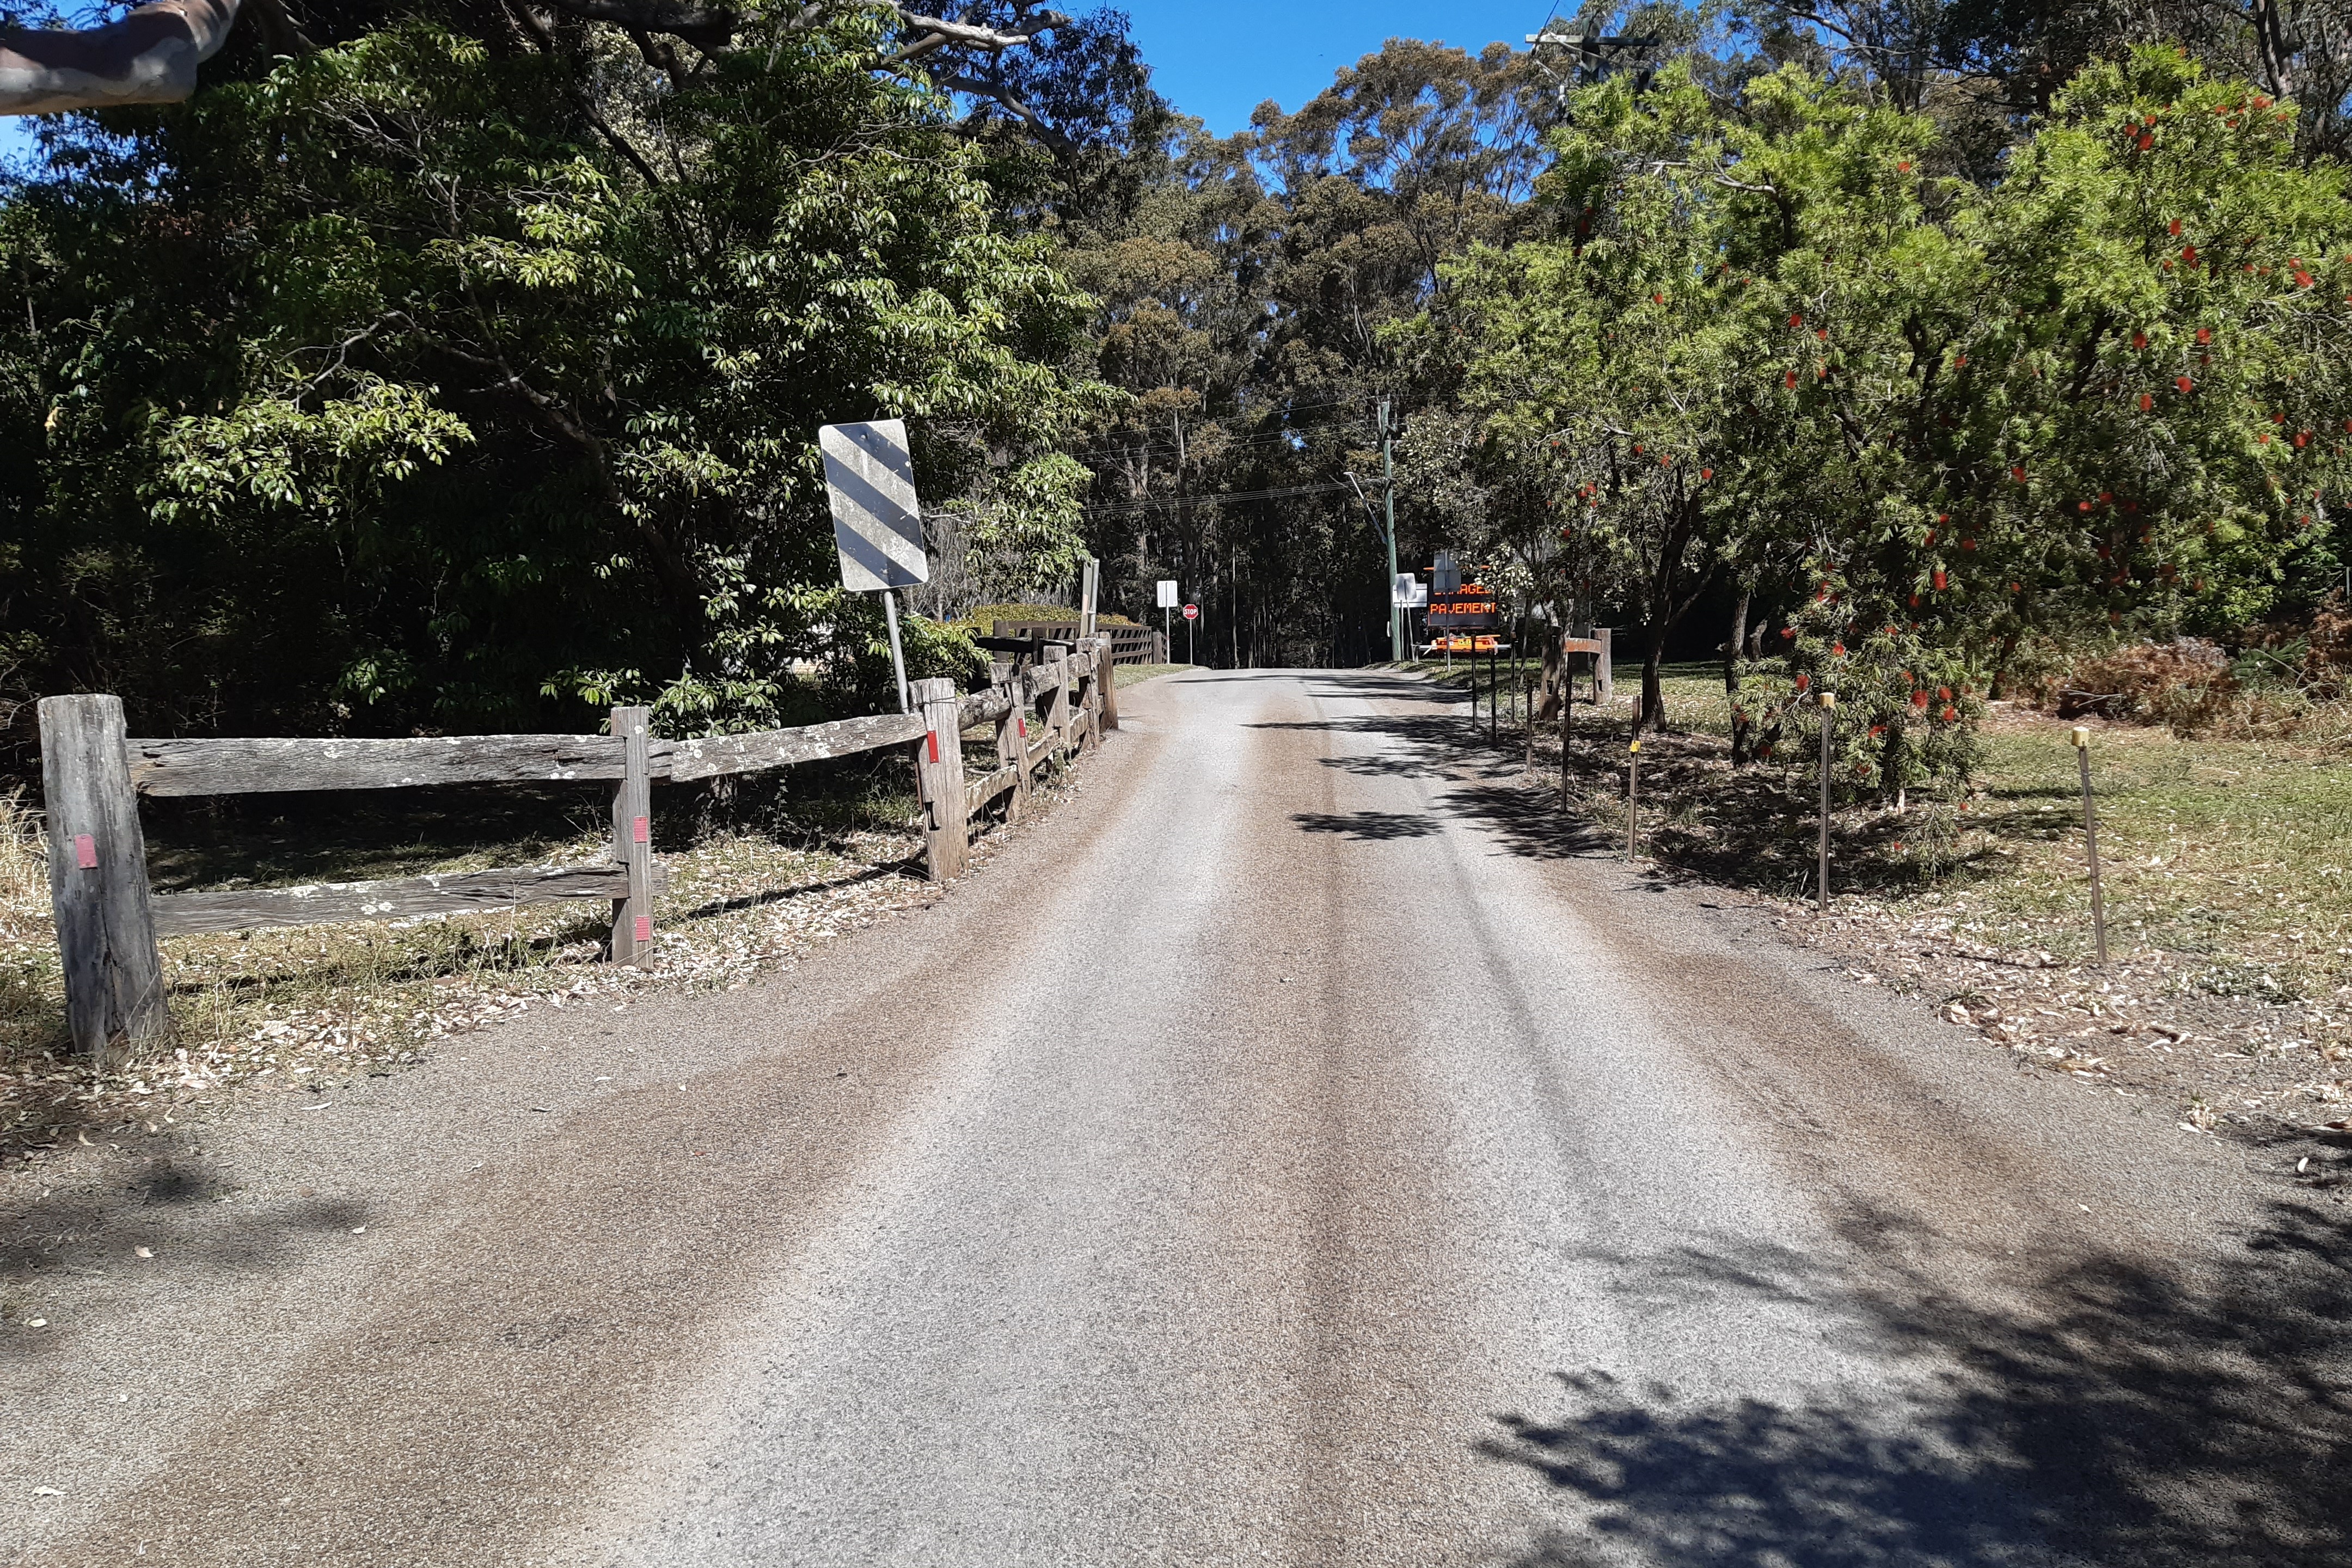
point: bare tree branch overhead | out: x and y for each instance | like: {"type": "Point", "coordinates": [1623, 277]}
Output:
{"type": "Point", "coordinates": [152, 55]}
{"type": "Point", "coordinates": [149, 57]}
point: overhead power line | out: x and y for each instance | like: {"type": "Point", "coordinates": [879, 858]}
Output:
{"type": "Point", "coordinates": [1213, 500]}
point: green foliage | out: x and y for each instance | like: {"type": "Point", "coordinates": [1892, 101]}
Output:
{"type": "Point", "coordinates": [1770, 348]}
{"type": "Point", "coordinates": [423, 382]}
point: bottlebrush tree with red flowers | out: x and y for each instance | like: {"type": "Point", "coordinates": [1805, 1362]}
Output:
{"type": "Point", "coordinates": [2156, 411]}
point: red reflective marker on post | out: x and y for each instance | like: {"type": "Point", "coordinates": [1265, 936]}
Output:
{"type": "Point", "coordinates": [644, 928]}
{"type": "Point", "coordinates": [84, 852]}
{"type": "Point", "coordinates": [932, 738]}
{"type": "Point", "coordinates": [641, 831]}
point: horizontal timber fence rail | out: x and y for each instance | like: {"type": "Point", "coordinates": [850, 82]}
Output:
{"type": "Point", "coordinates": [1129, 645]}
{"type": "Point", "coordinates": [109, 918]}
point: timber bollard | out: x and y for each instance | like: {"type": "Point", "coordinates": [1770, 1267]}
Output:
{"type": "Point", "coordinates": [1632, 798]}
{"type": "Point", "coordinates": [939, 775]}
{"type": "Point", "coordinates": [633, 837]}
{"type": "Point", "coordinates": [1829, 730]}
{"type": "Point", "coordinates": [2091, 842]}
{"type": "Point", "coordinates": [115, 1005]}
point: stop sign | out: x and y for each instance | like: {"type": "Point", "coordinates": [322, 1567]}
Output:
{"type": "Point", "coordinates": [1192, 612]}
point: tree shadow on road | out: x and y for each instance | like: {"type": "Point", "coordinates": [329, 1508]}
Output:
{"type": "Point", "coordinates": [2128, 1416]}
{"type": "Point", "coordinates": [1367, 826]}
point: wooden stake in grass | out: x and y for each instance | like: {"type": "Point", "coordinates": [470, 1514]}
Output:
{"type": "Point", "coordinates": [1633, 797]}
{"type": "Point", "coordinates": [1829, 732]}
{"type": "Point", "coordinates": [2091, 842]}
{"type": "Point", "coordinates": [1530, 716]}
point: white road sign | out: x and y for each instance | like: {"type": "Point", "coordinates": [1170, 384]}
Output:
{"type": "Point", "coordinates": [877, 524]}
{"type": "Point", "coordinates": [1409, 592]}
{"type": "Point", "coordinates": [1167, 599]}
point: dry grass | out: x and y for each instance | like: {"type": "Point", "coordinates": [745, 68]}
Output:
{"type": "Point", "coordinates": [2225, 867]}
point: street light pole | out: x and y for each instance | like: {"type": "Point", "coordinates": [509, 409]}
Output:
{"type": "Point", "coordinates": [1388, 501]}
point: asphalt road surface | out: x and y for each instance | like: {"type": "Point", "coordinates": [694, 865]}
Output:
{"type": "Point", "coordinates": [1300, 1148]}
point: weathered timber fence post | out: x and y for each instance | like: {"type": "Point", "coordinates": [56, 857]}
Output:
{"type": "Point", "coordinates": [1013, 744]}
{"type": "Point", "coordinates": [633, 835]}
{"type": "Point", "coordinates": [1053, 655]}
{"type": "Point", "coordinates": [1089, 702]}
{"type": "Point", "coordinates": [1107, 681]}
{"type": "Point", "coordinates": [939, 776]}
{"type": "Point", "coordinates": [98, 882]}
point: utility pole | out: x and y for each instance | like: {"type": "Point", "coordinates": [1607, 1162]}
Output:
{"type": "Point", "coordinates": [1388, 500]}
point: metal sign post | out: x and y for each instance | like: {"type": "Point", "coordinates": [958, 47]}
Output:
{"type": "Point", "coordinates": [1168, 602]}
{"type": "Point", "coordinates": [1829, 737]}
{"type": "Point", "coordinates": [1088, 582]}
{"type": "Point", "coordinates": [877, 523]}
{"type": "Point", "coordinates": [1192, 614]}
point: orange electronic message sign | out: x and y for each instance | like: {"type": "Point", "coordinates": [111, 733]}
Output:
{"type": "Point", "coordinates": [1469, 608]}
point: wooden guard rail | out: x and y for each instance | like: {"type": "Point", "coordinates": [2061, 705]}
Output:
{"type": "Point", "coordinates": [109, 918]}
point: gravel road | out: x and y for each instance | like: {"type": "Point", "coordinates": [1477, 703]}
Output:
{"type": "Point", "coordinates": [1301, 1147]}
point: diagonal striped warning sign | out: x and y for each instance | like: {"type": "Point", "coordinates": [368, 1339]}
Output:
{"type": "Point", "coordinates": [877, 524]}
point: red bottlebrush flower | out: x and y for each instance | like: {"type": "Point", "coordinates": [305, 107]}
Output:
{"type": "Point", "coordinates": [2146, 403]}
{"type": "Point", "coordinates": [1787, 631]}
{"type": "Point", "coordinates": [2176, 226]}
{"type": "Point", "coordinates": [1961, 363]}
{"type": "Point", "coordinates": [1919, 700]}
{"type": "Point", "coordinates": [2188, 255]}
{"type": "Point", "coordinates": [1657, 299]}
{"type": "Point", "coordinates": [1915, 600]}
{"type": "Point", "coordinates": [2301, 279]}
{"type": "Point", "coordinates": [1637, 448]}
{"type": "Point", "coordinates": [1796, 320]}
{"type": "Point", "coordinates": [2017, 587]}
{"type": "Point", "coordinates": [2081, 506]}
{"type": "Point", "coordinates": [1903, 167]}
{"type": "Point", "coordinates": [2302, 438]}
{"type": "Point", "coordinates": [2204, 334]}
{"type": "Point", "coordinates": [1949, 714]}
{"type": "Point", "coordinates": [2278, 419]}
{"type": "Point", "coordinates": [2017, 472]}
{"type": "Point", "coordinates": [2183, 383]}
{"type": "Point", "coordinates": [1706, 473]}
{"type": "Point", "coordinates": [1792, 381]}
{"type": "Point", "coordinates": [1939, 580]}
{"type": "Point", "coordinates": [1898, 846]}
{"type": "Point", "coordinates": [1803, 680]}
{"type": "Point", "coordinates": [1968, 544]}
{"type": "Point", "coordinates": [1931, 536]}
{"type": "Point", "coordinates": [1837, 650]}
{"type": "Point", "coordinates": [1876, 730]}
{"type": "Point", "coordinates": [1822, 333]}
{"type": "Point", "coordinates": [2146, 142]}
{"type": "Point", "coordinates": [1943, 694]}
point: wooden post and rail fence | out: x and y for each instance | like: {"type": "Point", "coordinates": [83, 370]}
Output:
{"type": "Point", "coordinates": [109, 920]}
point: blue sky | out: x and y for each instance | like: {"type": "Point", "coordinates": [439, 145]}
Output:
{"type": "Point", "coordinates": [1221, 58]}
